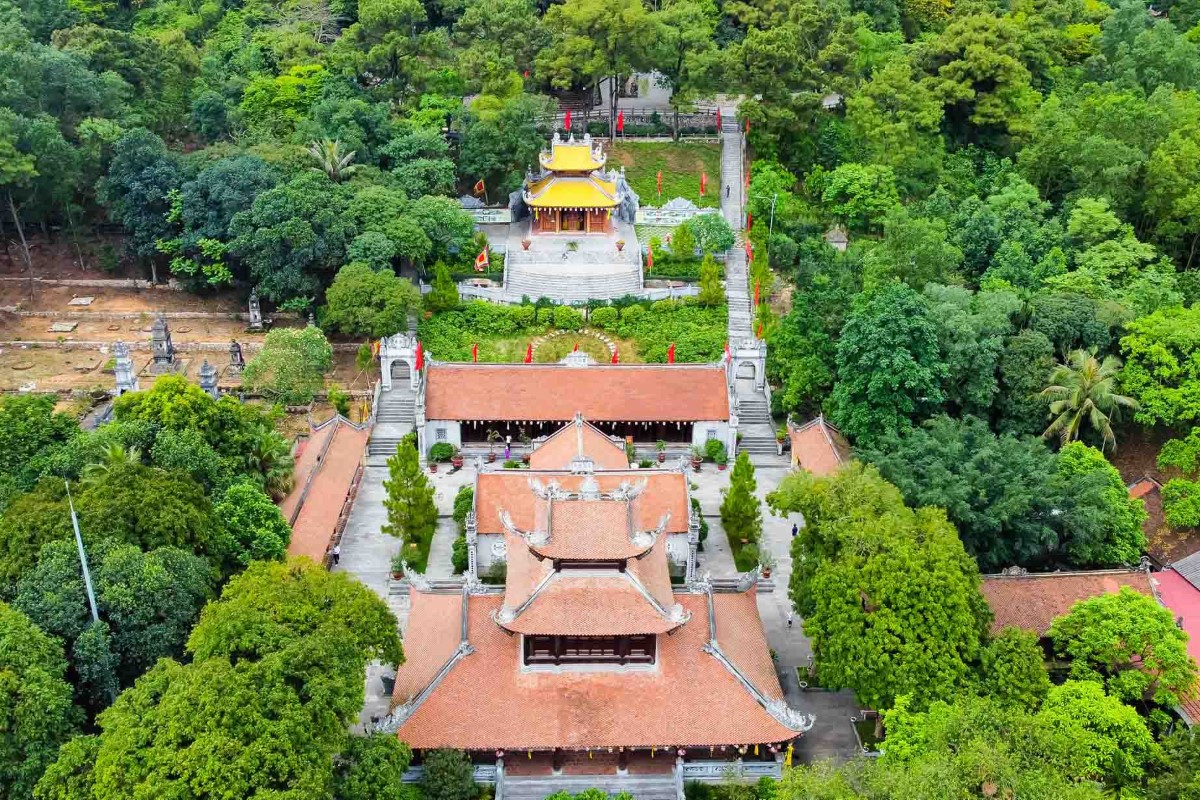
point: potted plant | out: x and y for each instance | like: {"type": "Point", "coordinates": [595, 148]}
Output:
{"type": "Point", "coordinates": [527, 443]}
{"type": "Point", "coordinates": [697, 458]}
{"type": "Point", "coordinates": [439, 453]}
{"type": "Point", "coordinates": [766, 561]}
{"type": "Point", "coordinates": [722, 461]}
{"type": "Point", "coordinates": [661, 447]}
{"type": "Point", "coordinates": [398, 566]}
{"type": "Point", "coordinates": [525, 244]}
{"type": "Point", "coordinates": [780, 438]}
{"type": "Point", "coordinates": [493, 436]}
{"type": "Point", "coordinates": [456, 459]}
{"type": "Point", "coordinates": [620, 245]}
{"type": "Point", "coordinates": [715, 450]}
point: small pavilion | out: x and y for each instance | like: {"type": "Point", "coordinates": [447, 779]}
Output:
{"type": "Point", "coordinates": [573, 194]}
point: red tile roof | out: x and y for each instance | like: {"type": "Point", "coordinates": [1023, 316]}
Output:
{"type": "Point", "coordinates": [818, 447]}
{"type": "Point", "coordinates": [548, 392]}
{"type": "Point", "coordinates": [589, 529]}
{"type": "Point", "coordinates": [689, 698]}
{"type": "Point", "coordinates": [1033, 601]}
{"type": "Point", "coordinates": [330, 485]}
{"type": "Point", "coordinates": [578, 438]}
{"type": "Point", "coordinates": [591, 605]}
{"type": "Point", "coordinates": [1183, 599]}
{"type": "Point", "coordinates": [429, 644]}
{"type": "Point", "coordinates": [666, 491]}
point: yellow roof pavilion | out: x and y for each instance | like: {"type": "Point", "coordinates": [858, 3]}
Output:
{"type": "Point", "coordinates": [572, 157]}
{"type": "Point", "coordinates": [559, 191]}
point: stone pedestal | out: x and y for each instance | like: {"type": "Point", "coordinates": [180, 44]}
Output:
{"type": "Point", "coordinates": [256, 320]}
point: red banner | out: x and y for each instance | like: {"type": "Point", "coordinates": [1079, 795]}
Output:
{"type": "Point", "coordinates": [756, 293]}
{"type": "Point", "coordinates": [660, 183]}
{"type": "Point", "coordinates": [529, 353]}
{"type": "Point", "coordinates": [420, 357]}
{"type": "Point", "coordinates": [671, 354]}
{"type": "Point", "coordinates": [616, 359]}
{"type": "Point", "coordinates": [475, 352]}
{"type": "Point", "coordinates": [567, 123]}
{"type": "Point", "coordinates": [620, 122]}
{"type": "Point", "coordinates": [703, 183]}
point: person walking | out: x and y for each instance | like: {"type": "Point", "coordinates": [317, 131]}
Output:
{"type": "Point", "coordinates": [791, 615]}
{"type": "Point", "coordinates": [337, 554]}
{"type": "Point", "coordinates": [795, 529]}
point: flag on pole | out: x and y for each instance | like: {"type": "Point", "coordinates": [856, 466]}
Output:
{"type": "Point", "coordinates": [479, 188]}
{"type": "Point", "coordinates": [756, 293]}
{"type": "Point", "coordinates": [575, 349]}
{"type": "Point", "coordinates": [529, 353]}
{"type": "Point", "coordinates": [718, 119]}
{"type": "Point", "coordinates": [671, 354]}
{"type": "Point", "coordinates": [659, 183]}
{"type": "Point", "coordinates": [616, 359]}
{"type": "Point", "coordinates": [650, 259]}
{"type": "Point", "coordinates": [376, 347]}
{"type": "Point", "coordinates": [728, 355]}
{"type": "Point", "coordinates": [749, 252]}
{"type": "Point", "coordinates": [746, 182]}
{"type": "Point", "coordinates": [703, 182]}
{"type": "Point", "coordinates": [567, 123]}
{"type": "Point", "coordinates": [420, 357]}
{"type": "Point", "coordinates": [620, 122]}
{"type": "Point", "coordinates": [747, 126]}
{"type": "Point", "coordinates": [760, 330]}
{"type": "Point", "coordinates": [749, 220]}
{"type": "Point", "coordinates": [475, 352]}
{"type": "Point", "coordinates": [481, 260]}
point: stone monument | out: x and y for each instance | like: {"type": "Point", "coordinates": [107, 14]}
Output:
{"type": "Point", "coordinates": [208, 379]}
{"type": "Point", "coordinates": [161, 348]}
{"type": "Point", "coordinates": [236, 359]}
{"type": "Point", "coordinates": [256, 320]}
{"type": "Point", "coordinates": [126, 379]}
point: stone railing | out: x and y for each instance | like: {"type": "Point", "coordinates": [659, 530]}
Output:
{"type": "Point", "coordinates": [717, 771]}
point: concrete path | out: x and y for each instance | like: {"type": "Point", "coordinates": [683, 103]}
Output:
{"type": "Point", "coordinates": [732, 205]}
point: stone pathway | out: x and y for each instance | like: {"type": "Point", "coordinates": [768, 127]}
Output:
{"type": "Point", "coordinates": [732, 205]}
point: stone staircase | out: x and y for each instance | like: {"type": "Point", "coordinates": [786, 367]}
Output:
{"type": "Point", "coordinates": [566, 285]}
{"type": "Point", "coordinates": [736, 289]}
{"type": "Point", "coordinates": [754, 422]}
{"type": "Point", "coordinates": [642, 787]}
{"type": "Point", "coordinates": [395, 416]}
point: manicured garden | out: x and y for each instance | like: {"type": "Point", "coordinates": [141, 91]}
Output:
{"type": "Point", "coordinates": [641, 331]}
{"type": "Point", "coordinates": [681, 164]}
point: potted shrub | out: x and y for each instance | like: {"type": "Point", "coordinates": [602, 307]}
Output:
{"type": "Point", "coordinates": [525, 244]}
{"type": "Point", "coordinates": [440, 453]}
{"type": "Point", "coordinates": [493, 436]}
{"type": "Point", "coordinates": [780, 438]}
{"type": "Point", "coordinates": [697, 458]}
{"type": "Point", "coordinates": [527, 443]}
{"type": "Point", "coordinates": [715, 450]}
{"type": "Point", "coordinates": [456, 459]}
{"type": "Point", "coordinates": [722, 462]}
{"type": "Point", "coordinates": [398, 566]}
{"type": "Point", "coordinates": [620, 245]}
{"type": "Point", "coordinates": [766, 561]}
{"type": "Point", "coordinates": [661, 447]}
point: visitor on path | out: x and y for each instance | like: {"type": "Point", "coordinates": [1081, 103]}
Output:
{"type": "Point", "coordinates": [337, 554]}
{"type": "Point", "coordinates": [727, 191]}
{"type": "Point", "coordinates": [795, 529]}
{"type": "Point", "coordinates": [507, 451]}
{"type": "Point", "coordinates": [790, 617]}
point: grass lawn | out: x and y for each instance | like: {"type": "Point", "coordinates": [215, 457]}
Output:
{"type": "Point", "coordinates": [681, 164]}
{"type": "Point", "coordinates": [512, 349]}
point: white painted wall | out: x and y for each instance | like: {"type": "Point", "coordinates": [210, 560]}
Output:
{"type": "Point", "coordinates": [453, 434]}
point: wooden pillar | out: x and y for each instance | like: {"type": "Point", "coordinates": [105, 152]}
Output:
{"type": "Point", "coordinates": [622, 761]}
{"type": "Point", "coordinates": [557, 760]}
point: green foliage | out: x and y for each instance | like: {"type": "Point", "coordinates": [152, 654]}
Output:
{"type": "Point", "coordinates": [1181, 503]}
{"type": "Point", "coordinates": [464, 503]}
{"type": "Point", "coordinates": [1012, 669]}
{"type": "Point", "coordinates": [875, 580]}
{"type": "Point", "coordinates": [29, 430]}
{"type": "Point", "coordinates": [1179, 772]}
{"type": "Point", "coordinates": [1161, 366]}
{"type": "Point", "coordinates": [449, 775]}
{"type": "Point", "coordinates": [1082, 390]}
{"type": "Point", "coordinates": [371, 768]}
{"type": "Point", "coordinates": [603, 318]}
{"type": "Point", "coordinates": [1111, 532]}
{"type": "Point", "coordinates": [364, 302]}
{"type": "Point", "coordinates": [1131, 644]}
{"type": "Point", "coordinates": [291, 365]}
{"type": "Point", "coordinates": [683, 241]}
{"type": "Point", "coordinates": [444, 295]}
{"type": "Point", "coordinates": [681, 165]}
{"type": "Point", "coordinates": [38, 715]}
{"type": "Point", "coordinates": [1108, 738]}
{"type": "Point", "coordinates": [712, 293]}
{"type": "Point", "coordinates": [567, 318]}
{"type": "Point", "coordinates": [441, 452]}
{"type": "Point", "coordinates": [276, 673]}
{"type": "Point", "coordinates": [411, 512]}
{"type": "Point", "coordinates": [255, 524]}
{"type": "Point", "coordinates": [711, 233]}
{"type": "Point", "coordinates": [741, 516]}
{"type": "Point", "coordinates": [859, 195]}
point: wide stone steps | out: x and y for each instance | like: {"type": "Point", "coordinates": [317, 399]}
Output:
{"type": "Point", "coordinates": [642, 787]}
{"type": "Point", "coordinates": [574, 287]}
{"type": "Point", "coordinates": [383, 445]}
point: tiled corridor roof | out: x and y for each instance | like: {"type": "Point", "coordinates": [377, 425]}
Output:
{"type": "Point", "coordinates": [329, 481]}
{"type": "Point", "coordinates": [1032, 601]}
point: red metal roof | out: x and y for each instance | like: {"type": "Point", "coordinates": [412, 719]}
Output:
{"type": "Point", "coordinates": [1179, 595]}
{"type": "Point", "coordinates": [557, 392]}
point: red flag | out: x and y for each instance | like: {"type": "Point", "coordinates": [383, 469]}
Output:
{"type": "Point", "coordinates": [481, 260]}
{"type": "Point", "coordinates": [760, 329]}
{"type": "Point", "coordinates": [756, 293]}
{"type": "Point", "coordinates": [479, 187]}
{"type": "Point", "coordinates": [749, 220]}
{"type": "Point", "coordinates": [660, 183]}
{"type": "Point", "coordinates": [376, 347]}
{"type": "Point", "coordinates": [420, 357]}
{"type": "Point", "coordinates": [526, 73]}
{"type": "Point", "coordinates": [575, 349]}
{"type": "Point", "coordinates": [616, 359]}
{"type": "Point", "coordinates": [703, 182]}
{"type": "Point", "coordinates": [671, 354]}
{"type": "Point", "coordinates": [749, 251]}
{"type": "Point", "coordinates": [728, 355]}
{"type": "Point", "coordinates": [650, 259]}
{"type": "Point", "coordinates": [620, 122]}
{"type": "Point", "coordinates": [718, 120]}
{"type": "Point", "coordinates": [567, 124]}
{"type": "Point", "coordinates": [475, 352]}
{"type": "Point", "coordinates": [529, 353]}
{"type": "Point", "coordinates": [747, 126]}
{"type": "Point", "coordinates": [746, 182]}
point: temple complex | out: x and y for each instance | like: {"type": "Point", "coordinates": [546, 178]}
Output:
{"type": "Point", "coordinates": [572, 194]}
{"type": "Point", "coordinates": [581, 639]}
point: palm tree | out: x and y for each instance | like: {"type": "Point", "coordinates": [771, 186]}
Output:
{"type": "Point", "coordinates": [331, 159]}
{"type": "Point", "coordinates": [1083, 389]}
{"type": "Point", "coordinates": [111, 457]}
{"type": "Point", "coordinates": [270, 462]}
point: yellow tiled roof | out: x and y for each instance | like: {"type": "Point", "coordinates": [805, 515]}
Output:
{"type": "Point", "coordinates": [571, 158]}
{"type": "Point", "coordinates": [556, 191]}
